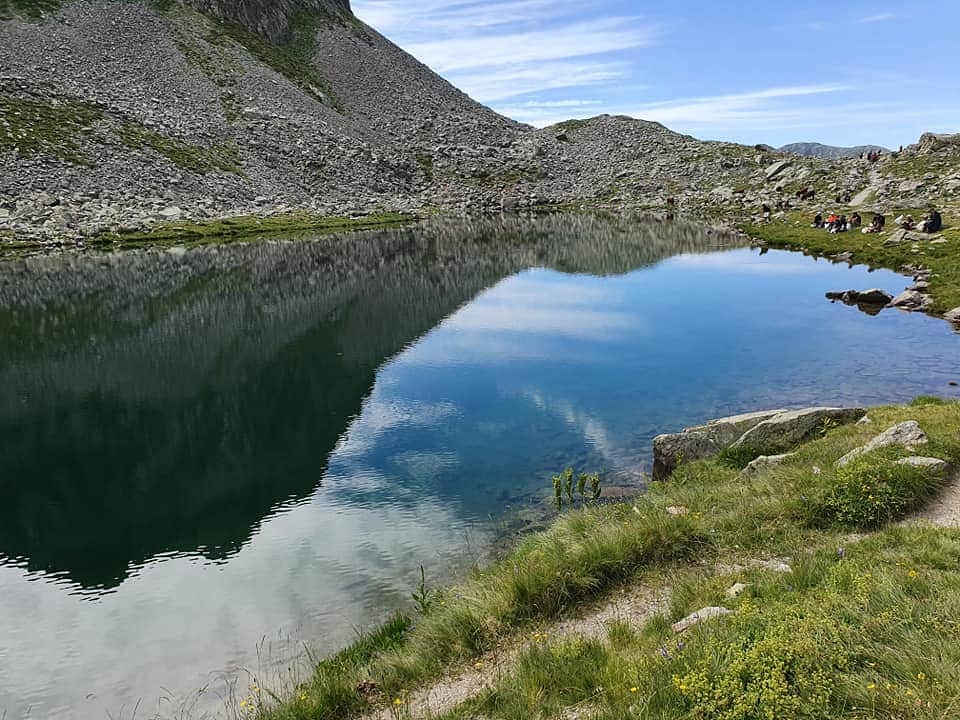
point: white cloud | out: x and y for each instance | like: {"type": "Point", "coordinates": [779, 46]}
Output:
{"type": "Point", "coordinates": [578, 39]}
{"type": "Point", "coordinates": [506, 49]}
{"type": "Point", "coordinates": [879, 17]}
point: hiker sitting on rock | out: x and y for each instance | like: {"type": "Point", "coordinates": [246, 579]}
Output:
{"type": "Point", "coordinates": [932, 223]}
{"type": "Point", "coordinates": [765, 211]}
{"type": "Point", "coordinates": [817, 221]}
{"type": "Point", "coordinates": [905, 221]}
{"type": "Point", "coordinates": [876, 225]}
{"type": "Point", "coordinates": [855, 220]}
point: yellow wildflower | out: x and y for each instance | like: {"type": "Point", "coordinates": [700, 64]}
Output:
{"type": "Point", "coordinates": [633, 689]}
{"type": "Point", "coordinates": [398, 701]}
{"type": "Point", "coordinates": [912, 573]}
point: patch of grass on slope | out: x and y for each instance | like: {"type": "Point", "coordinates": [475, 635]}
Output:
{"type": "Point", "coordinates": [195, 158]}
{"type": "Point", "coordinates": [292, 58]}
{"type": "Point", "coordinates": [34, 127]}
{"type": "Point", "coordinates": [30, 9]}
{"type": "Point", "coordinates": [943, 259]}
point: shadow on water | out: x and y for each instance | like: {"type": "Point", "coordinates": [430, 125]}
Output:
{"type": "Point", "coordinates": [167, 402]}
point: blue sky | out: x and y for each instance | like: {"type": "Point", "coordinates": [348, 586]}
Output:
{"type": "Point", "coordinates": [843, 73]}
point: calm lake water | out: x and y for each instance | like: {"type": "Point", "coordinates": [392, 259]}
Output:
{"type": "Point", "coordinates": [208, 457]}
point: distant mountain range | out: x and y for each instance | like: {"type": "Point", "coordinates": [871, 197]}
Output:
{"type": "Point", "coordinates": [829, 152]}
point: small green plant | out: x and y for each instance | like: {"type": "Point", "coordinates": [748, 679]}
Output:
{"type": "Point", "coordinates": [563, 488]}
{"type": "Point", "coordinates": [874, 489]}
{"type": "Point", "coordinates": [764, 665]}
{"type": "Point", "coordinates": [423, 597]}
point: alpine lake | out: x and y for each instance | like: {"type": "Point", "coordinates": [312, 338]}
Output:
{"type": "Point", "coordinates": [216, 461]}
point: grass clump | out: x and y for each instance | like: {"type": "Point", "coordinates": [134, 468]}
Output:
{"type": "Point", "coordinates": [874, 489]}
{"type": "Point", "coordinates": [193, 158]}
{"type": "Point", "coordinates": [30, 9]}
{"type": "Point", "coordinates": [34, 127]}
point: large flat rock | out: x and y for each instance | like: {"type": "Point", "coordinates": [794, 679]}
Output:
{"type": "Point", "coordinates": [788, 429]}
{"type": "Point", "coordinates": [702, 441]}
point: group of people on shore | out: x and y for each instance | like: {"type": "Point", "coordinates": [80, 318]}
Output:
{"type": "Point", "coordinates": [838, 223]}
{"type": "Point", "coordinates": [835, 223]}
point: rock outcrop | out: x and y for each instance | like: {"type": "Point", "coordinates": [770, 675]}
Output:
{"type": "Point", "coordinates": [907, 434]}
{"type": "Point", "coordinates": [762, 437]}
{"type": "Point", "coordinates": [702, 441]}
{"type": "Point", "coordinates": [789, 429]}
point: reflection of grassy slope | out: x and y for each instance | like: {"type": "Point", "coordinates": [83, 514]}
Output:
{"type": "Point", "coordinates": [873, 626]}
{"type": "Point", "coordinates": [943, 260]}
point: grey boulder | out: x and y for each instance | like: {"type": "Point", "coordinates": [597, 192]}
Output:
{"type": "Point", "coordinates": [702, 441]}
{"type": "Point", "coordinates": [935, 465]}
{"type": "Point", "coordinates": [907, 434]}
{"type": "Point", "coordinates": [788, 429]}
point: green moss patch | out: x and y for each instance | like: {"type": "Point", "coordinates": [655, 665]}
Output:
{"type": "Point", "coordinates": [34, 127]}
{"type": "Point", "coordinates": [194, 158]}
{"type": "Point", "coordinates": [292, 58]}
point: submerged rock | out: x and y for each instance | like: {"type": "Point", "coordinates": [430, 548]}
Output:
{"type": "Point", "coordinates": [873, 296]}
{"type": "Point", "coordinates": [908, 434]}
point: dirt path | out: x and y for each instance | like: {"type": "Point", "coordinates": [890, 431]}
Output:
{"type": "Point", "coordinates": [945, 510]}
{"type": "Point", "coordinates": [634, 605]}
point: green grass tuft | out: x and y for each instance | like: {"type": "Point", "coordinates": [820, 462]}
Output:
{"type": "Point", "coordinates": [193, 158]}
{"type": "Point", "coordinates": [34, 127]}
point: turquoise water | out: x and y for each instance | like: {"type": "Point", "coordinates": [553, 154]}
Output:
{"type": "Point", "coordinates": [209, 456]}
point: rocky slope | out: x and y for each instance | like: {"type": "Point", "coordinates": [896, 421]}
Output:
{"type": "Point", "coordinates": [120, 114]}
{"type": "Point", "coordinates": [829, 152]}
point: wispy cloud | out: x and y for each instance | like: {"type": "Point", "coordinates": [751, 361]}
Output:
{"type": "Point", "coordinates": [500, 50]}
{"type": "Point", "coordinates": [574, 40]}
{"type": "Point", "coordinates": [879, 17]}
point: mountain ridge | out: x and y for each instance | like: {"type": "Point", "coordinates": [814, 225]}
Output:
{"type": "Point", "coordinates": [830, 152]}
{"type": "Point", "coordinates": [118, 115]}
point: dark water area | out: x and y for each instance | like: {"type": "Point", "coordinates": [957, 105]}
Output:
{"type": "Point", "coordinates": [201, 449]}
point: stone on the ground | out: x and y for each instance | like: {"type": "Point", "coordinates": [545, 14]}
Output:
{"type": "Point", "coordinates": [707, 613]}
{"type": "Point", "coordinates": [788, 429]}
{"type": "Point", "coordinates": [777, 168]}
{"type": "Point", "coordinates": [702, 441]}
{"type": "Point", "coordinates": [953, 316]}
{"type": "Point", "coordinates": [907, 434]}
{"type": "Point", "coordinates": [677, 511]}
{"type": "Point", "coordinates": [865, 420]}
{"type": "Point", "coordinates": [736, 590]}
{"type": "Point", "coordinates": [171, 213]}
{"type": "Point", "coordinates": [754, 467]}
{"type": "Point", "coordinates": [934, 465]}
{"type": "Point", "coordinates": [911, 300]}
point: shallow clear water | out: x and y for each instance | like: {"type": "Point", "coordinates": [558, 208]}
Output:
{"type": "Point", "coordinates": [207, 457]}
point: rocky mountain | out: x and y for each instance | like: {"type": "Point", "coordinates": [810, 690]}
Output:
{"type": "Point", "coordinates": [829, 152]}
{"type": "Point", "coordinates": [121, 114]}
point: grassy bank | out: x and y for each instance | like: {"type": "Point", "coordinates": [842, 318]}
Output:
{"type": "Point", "coordinates": [861, 626]}
{"type": "Point", "coordinates": [247, 228]}
{"type": "Point", "coordinates": [943, 259]}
